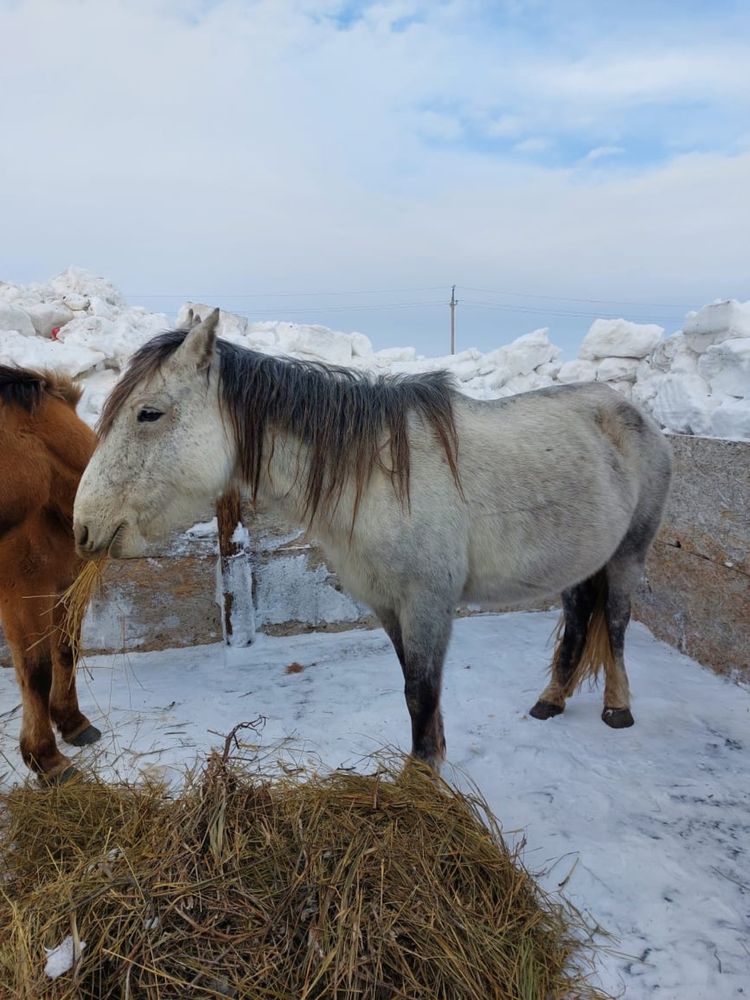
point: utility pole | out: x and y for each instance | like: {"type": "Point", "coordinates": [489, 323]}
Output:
{"type": "Point", "coordinates": [453, 303]}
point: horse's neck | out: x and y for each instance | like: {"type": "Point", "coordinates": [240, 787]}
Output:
{"type": "Point", "coordinates": [283, 473]}
{"type": "Point", "coordinates": [69, 444]}
{"type": "Point", "coordinates": [283, 484]}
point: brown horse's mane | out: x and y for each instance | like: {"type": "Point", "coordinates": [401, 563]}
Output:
{"type": "Point", "coordinates": [346, 418]}
{"type": "Point", "coordinates": [26, 387]}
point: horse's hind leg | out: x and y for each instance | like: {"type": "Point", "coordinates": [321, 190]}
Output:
{"type": "Point", "coordinates": [423, 640]}
{"type": "Point", "coordinates": [578, 604]}
{"type": "Point", "coordinates": [623, 573]}
{"type": "Point", "coordinates": [74, 727]}
{"type": "Point", "coordinates": [616, 712]}
{"type": "Point", "coordinates": [27, 622]}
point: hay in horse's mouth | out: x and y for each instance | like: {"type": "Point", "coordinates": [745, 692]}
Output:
{"type": "Point", "coordinates": [76, 599]}
{"type": "Point", "coordinates": [247, 884]}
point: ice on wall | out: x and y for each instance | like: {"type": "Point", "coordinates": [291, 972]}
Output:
{"type": "Point", "coordinates": [696, 381]}
{"type": "Point", "coordinates": [234, 576]}
{"type": "Point", "coordinates": [289, 589]}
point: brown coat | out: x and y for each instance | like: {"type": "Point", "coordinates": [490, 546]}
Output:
{"type": "Point", "coordinates": [44, 448]}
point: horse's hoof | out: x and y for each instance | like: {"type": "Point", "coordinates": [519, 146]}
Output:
{"type": "Point", "coordinates": [86, 737]}
{"type": "Point", "coordinates": [618, 718]}
{"type": "Point", "coordinates": [58, 777]}
{"type": "Point", "coordinates": [546, 710]}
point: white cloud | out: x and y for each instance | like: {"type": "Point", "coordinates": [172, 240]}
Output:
{"type": "Point", "coordinates": [434, 125]}
{"type": "Point", "coordinates": [602, 152]}
{"type": "Point", "coordinates": [504, 127]}
{"type": "Point", "coordinates": [532, 145]}
{"type": "Point", "coordinates": [626, 77]}
{"type": "Point", "coordinates": [255, 145]}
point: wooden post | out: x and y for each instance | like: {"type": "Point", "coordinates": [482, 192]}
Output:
{"type": "Point", "coordinates": [234, 576]}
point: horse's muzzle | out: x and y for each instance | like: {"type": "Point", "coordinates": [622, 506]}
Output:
{"type": "Point", "coordinates": [90, 547]}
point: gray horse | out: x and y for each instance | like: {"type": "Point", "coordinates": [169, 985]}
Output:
{"type": "Point", "coordinates": [421, 497]}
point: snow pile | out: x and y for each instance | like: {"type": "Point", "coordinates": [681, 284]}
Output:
{"type": "Point", "coordinates": [696, 381]}
{"type": "Point", "coordinates": [616, 338]}
{"type": "Point", "coordinates": [77, 323]}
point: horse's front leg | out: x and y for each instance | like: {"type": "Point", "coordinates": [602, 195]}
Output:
{"type": "Point", "coordinates": [74, 727]}
{"type": "Point", "coordinates": [423, 636]}
{"type": "Point", "coordinates": [27, 623]}
{"type": "Point", "coordinates": [392, 626]}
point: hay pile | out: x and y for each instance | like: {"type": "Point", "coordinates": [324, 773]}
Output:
{"type": "Point", "coordinates": [298, 887]}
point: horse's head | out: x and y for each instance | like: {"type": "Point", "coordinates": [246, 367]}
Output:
{"type": "Point", "coordinates": [163, 454]}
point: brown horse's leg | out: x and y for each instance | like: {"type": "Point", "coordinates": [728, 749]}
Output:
{"type": "Point", "coordinates": [74, 727]}
{"type": "Point", "coordinates": [578, 603]}
{"type": "Point", "coordinates": [27, 622]}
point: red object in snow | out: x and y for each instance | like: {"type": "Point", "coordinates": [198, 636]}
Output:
{"type": "Point", "coordinates": [54, 332]}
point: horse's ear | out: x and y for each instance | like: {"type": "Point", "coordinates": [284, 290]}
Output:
{"type": "Point", "coordinates": [189, 319]}
{"type": "Point", "coordinates": [197, 349]}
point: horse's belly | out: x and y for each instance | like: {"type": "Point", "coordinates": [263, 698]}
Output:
{"type": "Point", "coordinates": [501, 589]}
{"type": "Point", "coordinates": [515, 560]}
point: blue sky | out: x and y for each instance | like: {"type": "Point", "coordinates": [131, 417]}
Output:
{"type": "Point", "coordinates": [346, 163]}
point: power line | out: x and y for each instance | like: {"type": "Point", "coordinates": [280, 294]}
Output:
{"type": "Point", "coordinates": [567, 298]}
{"type": "Point", "coordinates": [193, 296]}
{"type": "Point", "coordinates": [270, 302]}
{"type": "Point", "coordinates": [504, 307]}
{"type": "Point", "coordinates": [214, 296]}
{"type": "Point", "coordinates": [355, 308]}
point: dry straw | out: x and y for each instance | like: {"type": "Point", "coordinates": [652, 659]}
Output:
{"type": "Point", "coordinates": [381, 887]}
{"type": "Point", "coordinates": [75, 601]}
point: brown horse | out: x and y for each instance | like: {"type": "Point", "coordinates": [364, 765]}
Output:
{"type": "Point", "coordinates": [44, 448]}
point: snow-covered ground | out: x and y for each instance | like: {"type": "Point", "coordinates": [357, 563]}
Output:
{"type": "Point", "coordinates": [696, 381]}
{"type": "Point", "coordinates": [649, 827]}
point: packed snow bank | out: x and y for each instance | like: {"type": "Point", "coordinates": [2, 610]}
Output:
{"type": "Point", "coordinates": [696, 381]}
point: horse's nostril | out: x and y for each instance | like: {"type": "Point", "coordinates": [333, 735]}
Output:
{"type": "Point", "coordinates": [81, 534]}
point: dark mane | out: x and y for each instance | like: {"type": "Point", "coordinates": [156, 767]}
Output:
{"type": "Point", "coordinates": [343, 416]}
{"type": "Point", "coordinates": [25, 387]}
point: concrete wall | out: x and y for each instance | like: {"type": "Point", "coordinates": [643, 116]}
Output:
{"type": "Point", "coordinates": [696, 594]}
{"type": "Point", "coordinates": [170, 598]}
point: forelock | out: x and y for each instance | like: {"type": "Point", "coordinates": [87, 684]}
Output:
{"type": "Point", "coordinates": [146, 361]}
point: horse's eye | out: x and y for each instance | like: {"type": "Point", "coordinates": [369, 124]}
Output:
{"type": "Point", "coordinates": [146, 416]}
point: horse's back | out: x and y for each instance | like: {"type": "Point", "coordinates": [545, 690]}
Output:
{"type": "Point", "coordinates": [571, 431]}
{"type": "Point", "coordinates": [553, 480]}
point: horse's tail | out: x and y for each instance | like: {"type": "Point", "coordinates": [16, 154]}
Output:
{"type": "Point", "coordinates": [597, 648]}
